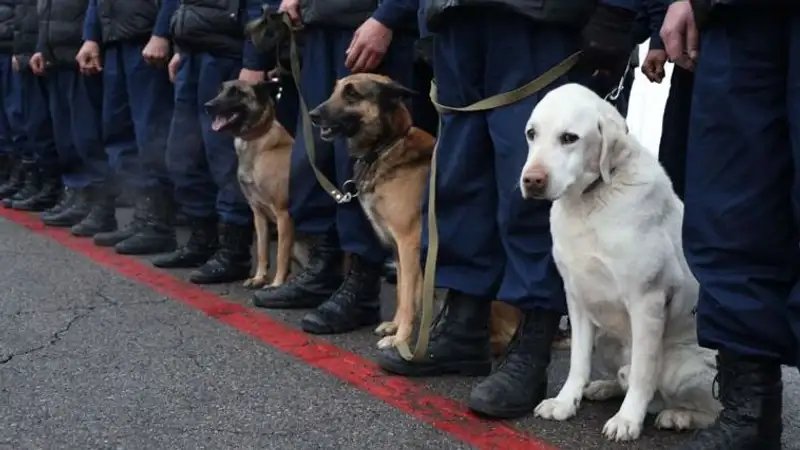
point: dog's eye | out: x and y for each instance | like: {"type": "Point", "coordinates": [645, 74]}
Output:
{"type": "Point", "coordinates": [568, 138]}
{"type": "Point", "coordinates": [350, 93]}
{"type": "Point", "coordinates": [530, 133]}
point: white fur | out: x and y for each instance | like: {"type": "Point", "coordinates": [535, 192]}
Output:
{"type": "Point", "coordinates": [630, 293]}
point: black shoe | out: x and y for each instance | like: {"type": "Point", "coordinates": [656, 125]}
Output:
{"type": "Point", "coordinates": [459, 342]}
{"type": "Point", "coordinates": [72, 214]}
{"type": "Point", "coordinates": [47, 197]}
{"type": "Point", "coordinates": [30, 187]}
{"type": "Point", "coordinates": [751, 392]}
{"type": "Point", "coordinates": [354, 305]}
{"type": "Point", "coordinates": [5, 168]}
{"type": "Point", "coordinates": [233, 259]}
{"type": "Point", "coordinates": [66, 200]}
{"type": "Point", "coordinates": [113, 238]}
{"type": "Point", "coordinates": [14, 181]}
{"type": "Point", "coordinates": [155, 233]}
{"type": "Point", "coordinates": [101, 218]}
{"type": "Point", "coordinates": [202, 244]}
{"type": "Point", "coordinates": [519, 382]}
{"type": "Point", "coordinates": [321, 277]}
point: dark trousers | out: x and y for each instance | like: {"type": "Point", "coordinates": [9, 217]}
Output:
{"type": "Point", "coordinates": [492, 243]}
{"type": "Point", "coordinates": [742, 206]}
{"type": "Point", "coordinates": [11, 121]}
{"type": "Point", "coordinates": [675, 128]}
{"type": "Point", "coordinates": [75, 109]}
{"type": "Point", "coordinates": [202, 163]}
{"type": "Point", "coordinates": [312, 209]}
{"type": "Point", "coordinates": [137, 111]}
{"type": "Point", "coordinates": [37, 124]}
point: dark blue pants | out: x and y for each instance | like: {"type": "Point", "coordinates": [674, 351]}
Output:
{"type": "Point", "coordinates": [288, 107]}
{"type": "Point", "coordinates": [76, 103]}
{"type": "Point", "coordinates": [312, 209]}
{"type": "Point", "coordinates": [492, 243]}
{"type": "Point", "coordinates": [137, 111]}
{"type": "Point", "coordinates": [742, 186]}
{"type": "Point", "coordinates": [37, 125]}
{"type": "Point", "coordinates": [202, 163]}
{"type": "Point", "coordinates": [11, 124]}
{"type": "Point", "coordinates": [675, 128]}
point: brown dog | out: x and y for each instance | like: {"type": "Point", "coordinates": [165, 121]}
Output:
{"type": "Point", "coordinates": [263, 147]}
{"type": "Point", "coordinates": [393, 162]}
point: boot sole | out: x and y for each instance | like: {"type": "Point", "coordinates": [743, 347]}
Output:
{"type": "Point", "coordinates": [152, 250]}
{"type": "Point", "coordinates": [320, 328]}
{"type": "Point", "coordinates": [464, 368]}
{"type": "Point", "coordinates": [483, 408]}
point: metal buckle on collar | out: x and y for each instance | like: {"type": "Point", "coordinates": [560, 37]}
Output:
{"type": "Point", "coordinates": [619, 88]}
{"type": "Point", "coordinates": [349, 192]}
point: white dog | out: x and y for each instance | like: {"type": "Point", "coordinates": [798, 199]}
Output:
{"type": "Point", "coordinates": [616, 226]}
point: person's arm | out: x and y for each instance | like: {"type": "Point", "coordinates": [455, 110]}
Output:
{"type": "Point", "coordinates": [252, 59]}
{"type": "Point", "coordinates": [162, 25]}
{"type": "Point", "coordinates": [91, 24]}
{"type": "Point", "coordinates": [395, 13]}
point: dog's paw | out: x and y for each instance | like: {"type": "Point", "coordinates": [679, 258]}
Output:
{"type": "Point", "coordinates": [620, 428]}
{"type": "Point", "coordinates": [386, 329]}
{"type": "Point", "coordinates": [386, 342]}
{"type": "Point", "coordinates": [683, 419]}
{"type": "Point", "coordinates": [602, 390]}
{"type": "Point", "coordinates": [277, 282]}
{"type": "Point", "coordinates": [555, 409]}
{"type": "Point", "coordinates": [255, 282]}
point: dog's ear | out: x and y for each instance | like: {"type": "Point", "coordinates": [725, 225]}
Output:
{"type": "Point", "coordinates": [394, 90]}
{"type": "Point", "coordinates": [266, 91]}
{"type": "Point", "coordinates": [613, 131]}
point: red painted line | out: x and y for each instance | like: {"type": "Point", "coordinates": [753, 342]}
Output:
{"type": "Point", "coordinates": [442, 413]}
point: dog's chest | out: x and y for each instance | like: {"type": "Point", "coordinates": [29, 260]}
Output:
{"type": "Point", "coordinates": [369, 203]}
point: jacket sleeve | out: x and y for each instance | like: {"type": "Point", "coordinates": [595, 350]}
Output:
{"type": "Point", "coordinates": [91, 23]}
{"type": "Point", "coordinates": [631, 5]}
{"type": "Point", "coordinates": [656, 10]}
{"type": "Point", "coordinates": [395, 13]}
{"type": "Point", "coordinates": [252, 59]}
{"type": "Point", "coordinates": [162, 25]}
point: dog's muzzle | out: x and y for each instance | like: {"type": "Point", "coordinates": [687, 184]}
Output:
{"type": "Point", "coordinates": [534, 182]}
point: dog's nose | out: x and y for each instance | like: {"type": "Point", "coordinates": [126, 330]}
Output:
{"type": "Point", "coordinates": [314, 115]}
{"type": "Point", "coordinates": [535, 179]}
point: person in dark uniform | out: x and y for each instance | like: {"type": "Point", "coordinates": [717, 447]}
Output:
{"type": "Point", "coordinates": [492, 244]}
{"type": "Point", "coordinates": [18, 165]}
{"type": "Point", "coordinates": [137, 110]}
{"type": "Point", "coordinates": [44, 183]}
{"type": "Point", "coordinates": [340, 37]}
{"type": "Point", "coordinates": [740, 230]}
{"type": "Point", "coordinates": [210, 48]}
{"type": "Point", "coordinates": [75, 108]}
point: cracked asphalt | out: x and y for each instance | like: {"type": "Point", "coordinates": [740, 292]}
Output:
{"type": "Point", "coordinates": [90, 359]}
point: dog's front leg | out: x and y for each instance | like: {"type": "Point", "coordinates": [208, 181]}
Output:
{"type": "Point", "coordinates": [262, 250]}
{"type": "Point", "coordinates": [409, 274]}
{"type": "Point", "coordinates": [285, 243]}
{"type": "Point", "coordinates": [647, 315]}
{"type": "Point", "coordinates": [565, 404]}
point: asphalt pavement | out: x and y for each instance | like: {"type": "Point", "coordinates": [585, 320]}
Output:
{"type": "Point", "coordinates": [100, 351]}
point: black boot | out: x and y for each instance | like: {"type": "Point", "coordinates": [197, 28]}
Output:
{"type": "Point", "coordinates": [102, 216]}
{"type": "Point", "coordinates": [30, 187]}
{"type": "Point", "coordinates": [751, 392]}
{"type": "Point", "coordinates": [519, 382]}
{"type": "Point", "coordinates": [459, 342]}
{"type": "Point", "coordinates": [354, 305]}
{"type": "Point", "coordinates": [14, 181]}
{"type": "Point", "coordinates": [47, 197]}
{"type": "Point", "coordinates": [321, 277]}
{"type": "Point", "coordinates": [66, 200]}
{"type": "Point", "coordinates": [5, 168]}
{"type": "Point", "coordinates": [112, 238]}
{"type": "Point", "coordinates": [233, 259]}
{"type": "Point", "coordinates": [72, 214]}
{"type": "Point", "coordinates": [202, 244]}
{"type": "Point", "coordinates": [156, 233]}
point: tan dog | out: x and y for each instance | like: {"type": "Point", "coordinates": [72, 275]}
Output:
{"type": "Point", "coordinates": [263, 147]}
{"type": "Point", "coordinates": [391, 173]}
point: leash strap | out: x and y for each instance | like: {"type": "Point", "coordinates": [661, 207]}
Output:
{"type": "Point", "coordinates": [493, 102]}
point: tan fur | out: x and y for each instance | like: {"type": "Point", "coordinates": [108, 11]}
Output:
{"type": "Point", "coordinates": [390, 191]}
{"type": "Point", "coordinates": [263, 149]}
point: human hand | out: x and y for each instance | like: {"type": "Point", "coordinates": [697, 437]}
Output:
{"type": "Point", "coordinates": [156, 51]}
{"type": "Point", "coordinates": [679, 34]}
{"type": "Point", "coordinates": [89, 58]}
{"type": "Point", "coordinates": [370, 43]}
{"type": "Point", "coordinates": [653, 65]}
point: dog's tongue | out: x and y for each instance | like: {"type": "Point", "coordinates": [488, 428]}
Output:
{"type": "Point", "coordinates": [218, 123]}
